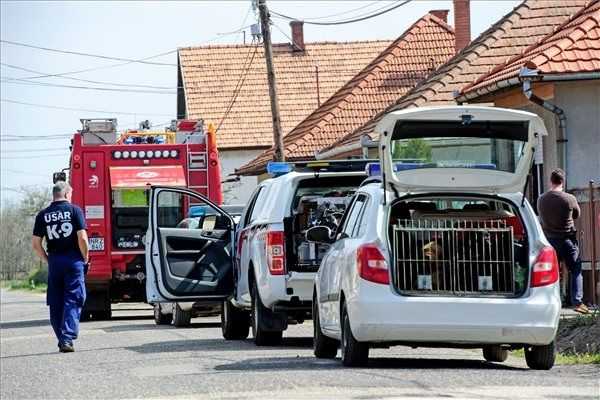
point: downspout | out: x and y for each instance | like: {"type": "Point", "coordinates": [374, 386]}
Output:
{"type": "Point", "coordinates": [527, 76]}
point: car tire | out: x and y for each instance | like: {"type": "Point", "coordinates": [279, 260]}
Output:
{"type": "Point", "coordinates": [540, 357]}
{"type": "Point", "coordinates": [160, 318]}
{"type": "Point", "coordinates": [354, 353]}
{"type": "Point", "coordinates": [495, 354]}
{"type": "Point", "coordinates": [323, 346]}
{"type": "Point", "coordinates": [181, 318]}
{"type": "Point", "coordinates": [261, 336]}
{"type": "Point", "coordinates": [235, 323]}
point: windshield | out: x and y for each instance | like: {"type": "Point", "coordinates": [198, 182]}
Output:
{"type": "Point", "coordinates": [465, 143]}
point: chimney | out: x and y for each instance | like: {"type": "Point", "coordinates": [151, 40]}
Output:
{"type": "Point", "coordinates": [462, 24]}
{"type": "Point", "coordinates": [441, 14]}
{"type": "Point", "coordinates": [297, 35]}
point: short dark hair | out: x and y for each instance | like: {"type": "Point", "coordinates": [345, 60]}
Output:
{"type": "Point", "coordinates": [557, 176]}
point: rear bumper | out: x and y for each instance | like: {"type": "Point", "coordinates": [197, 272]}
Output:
{"type": "Point", "coordinates": [287, 289]}
{"type": "Point", "coordinates": [378, 315]}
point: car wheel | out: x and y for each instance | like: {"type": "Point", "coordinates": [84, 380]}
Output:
{"type": "Point", "coordinates": [323, 346]}
{"type": "Point", "coordinates": [354, 353]}
{"type": "Point", "coordinates": [235, 323]}
{"type": "Point", "coordinates": [495, 354]}
{"type": "Point", "coordinates": [181, 318]}
{"type": "Point", "coordinates": [261, 336]}
{"type": "Point", "coordinates": [540, 357]}
{"type": "Point", "coordinates": [159, 317]}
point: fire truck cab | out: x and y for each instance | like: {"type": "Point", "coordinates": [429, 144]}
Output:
{"type": "Point", "coordinates": [111, 175]}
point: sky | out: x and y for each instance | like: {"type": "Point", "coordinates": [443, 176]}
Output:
{"type": "Point", "coordinates": [135, 30]}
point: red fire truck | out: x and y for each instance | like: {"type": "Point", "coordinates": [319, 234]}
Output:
{"type": "Point", "coordinates": [110, 175]}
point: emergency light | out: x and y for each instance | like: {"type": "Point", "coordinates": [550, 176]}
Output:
{"type": "Point", "coordinates": [277, 168]}
{"type": "Point", "coordinates": [117, 155]}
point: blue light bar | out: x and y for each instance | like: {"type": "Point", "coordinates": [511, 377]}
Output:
{"type": "Point", "coordinates": [275, 168]}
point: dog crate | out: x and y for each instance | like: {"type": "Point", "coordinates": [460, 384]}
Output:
{"type": "Point", "coordinates": [455, 257]}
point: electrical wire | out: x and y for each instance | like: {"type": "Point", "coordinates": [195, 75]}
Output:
{"type": "Point", "coordinates": [345, 12]}
{"type": "Point", "coordinates": [129, 60]}
{"type": "Point", "coordinates": [239, 84]}
{"type": "Point", "coordinates": [33, 150]}
{"type": "Point", "coordinates": [81, 109]}
{"type": "Point", "coordinates": [14, 171]}
{"type": "Point", "coordinates": [19, 81]}
{"type": "Point", "coordinates": [349, 21]}
{"type": "Point", "coordinates": [29, 156]}
{"type": "Point", "coordinates": [91, 81]}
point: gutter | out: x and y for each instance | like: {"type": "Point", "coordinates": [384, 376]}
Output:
{"type": "Point", "coordinates": [517, 80]}
{"type": "Point", "coordinates": [527, 76]}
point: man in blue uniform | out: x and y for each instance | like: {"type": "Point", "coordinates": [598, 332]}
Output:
{"type": "Point", "coordinates": [63, 226]}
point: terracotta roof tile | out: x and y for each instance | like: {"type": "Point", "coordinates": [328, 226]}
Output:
{"type": "Point", "coordinates": [409, 59]}
{"type": "Point", "coordinates": [211, 73]}
{"type": "Point", "coordinates": [573, 47]}
{"type": "Point", "coordinates": [525, 25]}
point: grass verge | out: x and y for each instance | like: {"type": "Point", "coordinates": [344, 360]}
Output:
{"type": "Point", "coordinates": [568, 359]}
{"type": "Point", "coordinates": [25, 285]}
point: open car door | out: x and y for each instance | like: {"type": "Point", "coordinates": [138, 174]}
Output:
{"type": "Point", "coordinates": [188, 247]}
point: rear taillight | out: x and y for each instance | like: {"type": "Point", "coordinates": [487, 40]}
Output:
{"type": "Point", "coordinates": [276, 253]}
{"type": "Point", "coordinates": [372, 265]}
{"type": "Point", "coordinates": [545, 268]}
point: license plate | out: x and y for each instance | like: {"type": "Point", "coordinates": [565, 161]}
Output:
{"type": "Point", "coordinates": [97, 243]}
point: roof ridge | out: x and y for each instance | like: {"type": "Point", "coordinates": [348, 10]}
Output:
{"type": "Point", "coordinates": [537, 44]}
{"type": "Point", "coordinates": [457, 61]}
{"type": "Point", "coordinates": [355, 82]}
{"type": "Point", "coordinates": [245, 45]}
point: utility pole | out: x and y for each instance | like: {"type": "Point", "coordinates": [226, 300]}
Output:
{"type": "Point", "coordinates": [266, 32]}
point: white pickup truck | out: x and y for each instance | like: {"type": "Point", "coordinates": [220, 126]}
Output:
{"type": "Point", "coordinates": [262, 269]}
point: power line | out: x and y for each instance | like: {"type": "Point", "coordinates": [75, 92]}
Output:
{"type": "Point", "coordinates": [14, 171]}
{"type": "Point", "coordinates": [18, 81]}
{"type": "Point", "coordinates": [349, 21]}
{"type": "Point", "coordinates": [62, 74]}
{"type": "Point", "coordinates": [81, 109]}
{"type": "Point", "coordinates": [51, 149]}
{"type": "Point", "coordinates": [29, 156]}
{"type": "Point", "coordinates": [129, 60]}
{"type": "Point", "coordinates": [345, 12]}
{"type": "Point", "coordinates": [239, 84]}
{"type": "Point", "coordinates": [89, 80]}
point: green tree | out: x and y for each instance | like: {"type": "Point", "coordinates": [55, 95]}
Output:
{"type": "Point", "coordinates": [411, 149]}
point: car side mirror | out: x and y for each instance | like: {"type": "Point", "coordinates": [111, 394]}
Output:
{"type": "Point", "coordinates": [320, 234]}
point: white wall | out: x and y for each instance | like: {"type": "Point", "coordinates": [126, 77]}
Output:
{"type": "Point", "coordinates": [237, 192]}
{"type": "Point", "coordinates": [581, 103]}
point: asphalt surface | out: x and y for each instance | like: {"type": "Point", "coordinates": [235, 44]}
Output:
{"type": "Point", "coordinates": [131, 357]}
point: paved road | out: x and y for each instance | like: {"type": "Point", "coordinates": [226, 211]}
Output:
{"type": "Point", "coordinates": [130, 357]}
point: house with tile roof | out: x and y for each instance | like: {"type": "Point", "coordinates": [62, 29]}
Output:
{"type": "Point", "coordinates": [525, 25]}
{"type": "Point", "coordinates": [226, 85]}
{"type": "Point", "coordinates": [558, 78]}
{"type": "Point", "coordinates": [425, 45]}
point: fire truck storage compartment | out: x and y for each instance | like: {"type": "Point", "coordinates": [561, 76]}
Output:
{"type": "Point", "coordinates": [317, 201]}
{"type": "Point", "coordinates": [458, 246]}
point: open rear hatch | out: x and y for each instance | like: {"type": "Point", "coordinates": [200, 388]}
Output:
{"type": "Point", "coordinates": [458, 148]}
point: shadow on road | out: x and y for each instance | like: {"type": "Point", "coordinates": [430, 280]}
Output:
{"type": "Point", "coordinates": [142, 327]}
{"type": "Point", "coordinates": [24, 324]}
{"type": "Point", "coordinates": [218, 345]}
{"type": "Point", "coordinates": [311, 363]}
